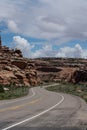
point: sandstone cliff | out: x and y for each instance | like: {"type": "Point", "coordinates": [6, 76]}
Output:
{"type": "Point", "coordinates": [61, 70]}
{"type": "Point", "coordinates": [16, 69]}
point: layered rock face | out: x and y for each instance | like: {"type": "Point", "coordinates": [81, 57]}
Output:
{"type": "Point", "coordinates": [16, 69]}
{"type": "Point", "coordinates": [79, 76]}
{"type": "Point", "coordinates": [60, 69]}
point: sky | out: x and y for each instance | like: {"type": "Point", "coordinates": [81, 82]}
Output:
{"type": "Point", "coordinates": [45, 28]}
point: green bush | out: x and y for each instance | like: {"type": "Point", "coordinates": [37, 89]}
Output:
{"type": "Point", "coordinates": [1, 89]}
{"type": "Point", "coordinates": [13, 91]}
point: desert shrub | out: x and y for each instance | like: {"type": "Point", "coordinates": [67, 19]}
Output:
{"type": "Point", "coordinates": [1, 89]}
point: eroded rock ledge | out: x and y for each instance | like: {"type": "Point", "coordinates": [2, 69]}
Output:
{"type": "Point", "coordinates": [16, 69]}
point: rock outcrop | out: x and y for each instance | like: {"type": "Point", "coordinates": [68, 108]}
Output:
{"type": "Point", "coordinates": [61, 70]}
{"type": "Point", "coordinates": [16, 69]}
{"type": "Point", "coordinates": [79, 76]}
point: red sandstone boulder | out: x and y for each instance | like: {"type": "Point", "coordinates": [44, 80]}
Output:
{"type": "Point", "coordinates": [19, 64]}
{"type": "Point", "coordinates": [79, 76]}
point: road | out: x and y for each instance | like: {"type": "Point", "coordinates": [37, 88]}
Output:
{"type": "Point", "coordinates": [44, 110]}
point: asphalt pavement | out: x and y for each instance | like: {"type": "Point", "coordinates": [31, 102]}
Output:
{"type": "Point", "coordinates": [43, 110]}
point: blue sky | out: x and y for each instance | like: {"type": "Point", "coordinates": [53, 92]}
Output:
{"type": "Point", "coordinates": [45, 28]}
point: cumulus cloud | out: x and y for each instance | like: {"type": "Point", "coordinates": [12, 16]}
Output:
{"type": "Point", "coordinates": [12, 26]}
{"type": "Point", "coordinates": [23, 45]}
{"type": "Point", "coordinates": [72, 52]}
{"type": "Point", "coordinates": [47, 50]}
{"type": "Point", "coordinates": [26, 48]}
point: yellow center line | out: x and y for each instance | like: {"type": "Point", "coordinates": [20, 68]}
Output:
{"type": "Point", "coordinates": [20, 106]}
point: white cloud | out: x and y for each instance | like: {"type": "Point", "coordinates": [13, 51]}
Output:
{"type": "Point", "coordinates": [12, 26]}
{"type": "Point", "coordinates": [48, 25]}
{"type": "Point", "coordinates": [72, 52]}
{"type": "Point", "coordinates": [47, 51]}
{"type": "Point", "coordinates": [47, 18]}
{"type": "Point", "coordinates": [26, 48]}
{"type": "Point", "coordinates": [23, 45]}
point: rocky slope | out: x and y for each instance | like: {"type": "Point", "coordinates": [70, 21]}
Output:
{"type": "Point", "coordinates": [16, 69]}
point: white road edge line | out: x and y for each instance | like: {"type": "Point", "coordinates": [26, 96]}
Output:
{"type": "Point", "coordinates": [33, 94]}
{"type": "Point", "coordinates": [33, 117]}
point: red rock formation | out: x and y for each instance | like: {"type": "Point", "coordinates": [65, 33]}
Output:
{"type": "Point", "coordinates": [79, 76]}
{"type": "Point", "coordinates": [16, 69]}
{"type": "Point", "coordinates": [20, 64]}
{"type": "Point", "coordinates": [60, 69]}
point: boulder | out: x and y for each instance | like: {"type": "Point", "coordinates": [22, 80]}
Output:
{"type": "Point", "coordinates": [19, 75]}
{"type": "Point", "coordinates": [20, 64]}
{"type": "Point", "coordinates": [79, 76]}
{"type": "Point", "coordinates": [18, 52]}
{"type": "Point", "coordinates": [8, 68]}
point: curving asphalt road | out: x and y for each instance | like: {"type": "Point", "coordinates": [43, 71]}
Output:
{"type": "Point", "coordinates": [43, 110]}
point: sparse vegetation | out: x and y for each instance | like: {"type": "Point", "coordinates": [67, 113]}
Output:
{"type": "Point", "coordinates": [1, 89]}
{"type": "Point", "coordinates": [75, 89]}
{"type": "Point", "coordinates": [12, 91]}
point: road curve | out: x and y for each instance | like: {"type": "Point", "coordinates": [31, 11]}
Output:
{"type": "Point", "coordinates": [45, 110]}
